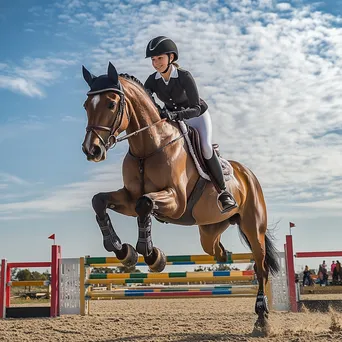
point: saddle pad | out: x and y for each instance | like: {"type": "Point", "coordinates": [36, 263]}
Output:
{"type": "Point", "coordinates": [228, 171]}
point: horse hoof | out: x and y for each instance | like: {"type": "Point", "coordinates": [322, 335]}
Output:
{"type": "Point", "coordinates": [156, 261]}
{"type": "Point", "coordinates": [262, 328]}
{"type": "Point", "coordinates": [129, 255]}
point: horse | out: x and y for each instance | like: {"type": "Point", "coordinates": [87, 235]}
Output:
{"type": "Point", "coordinates": [160, 178]}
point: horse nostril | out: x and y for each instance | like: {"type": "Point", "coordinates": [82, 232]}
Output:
{"type": "Point", "coordinates": [84, 149]}
{"type": "Point", "coordinates": [96, 151]}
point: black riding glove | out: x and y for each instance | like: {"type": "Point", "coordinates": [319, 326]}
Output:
{"type": "Point", "coordinates": [166, 114]}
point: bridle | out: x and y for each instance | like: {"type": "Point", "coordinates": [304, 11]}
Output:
{"type": "Point", "coordinates": [111, 140]}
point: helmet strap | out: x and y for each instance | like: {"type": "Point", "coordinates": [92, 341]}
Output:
{"type": "Point", "coordinates": [168, 65]}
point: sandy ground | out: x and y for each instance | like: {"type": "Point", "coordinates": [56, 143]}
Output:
{"type": "Point", "coordinates": [176, 320]}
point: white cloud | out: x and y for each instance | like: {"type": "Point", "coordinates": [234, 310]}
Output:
{"type": "Point", "coordinates": [284, 6]}
{"type": "Point", "coordinates": [33, 74]}
{"type": "Point", "coordinates": [68, 118]}
{"type": "Point", "coordinates": [71, 197]}
{"type": "Point", "coordinates": [20, 85]}
{"type": "Point", "coordinates": [6, 177]}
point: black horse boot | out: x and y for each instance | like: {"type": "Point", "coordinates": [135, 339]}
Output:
{"type": "Point", "coordinates": [226, 199]}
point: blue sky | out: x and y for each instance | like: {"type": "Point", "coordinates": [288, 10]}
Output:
{"type": "Point", "coordinates": [269, 70]}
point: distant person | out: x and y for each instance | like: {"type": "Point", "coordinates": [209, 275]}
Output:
{"type": "Point", "coordinates": [332, 267]}
{"type": "Point", "coordinates": [307, 280]}
{"type": "Point", "coordinates": [337, 272]}
{"type": "Point", "coordinates": [322, 275]}
{"type": "Point", "coordinates": [324, 265]}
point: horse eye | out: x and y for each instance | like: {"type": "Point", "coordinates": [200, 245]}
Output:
{"type": "Point", "coordinates": [111, 105]}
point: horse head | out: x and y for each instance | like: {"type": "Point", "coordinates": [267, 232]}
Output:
{"type": "Point", "coordinates": [105, 108]}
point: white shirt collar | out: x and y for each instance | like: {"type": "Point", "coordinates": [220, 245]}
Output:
{"type": "Point", "coordinates": [174, 74]}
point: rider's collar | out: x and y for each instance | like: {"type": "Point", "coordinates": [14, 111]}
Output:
{"type": "Point", "coordinates": [174, 73]}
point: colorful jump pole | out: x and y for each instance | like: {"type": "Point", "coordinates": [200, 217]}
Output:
{"type": "Point", "coordinates": [5, 287]}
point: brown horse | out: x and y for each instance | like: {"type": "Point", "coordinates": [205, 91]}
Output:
{"type": "Point", "coordinates": [160, 178]}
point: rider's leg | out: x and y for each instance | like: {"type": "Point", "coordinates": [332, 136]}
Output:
{"type": "Point", "coordinates": [204, 126]}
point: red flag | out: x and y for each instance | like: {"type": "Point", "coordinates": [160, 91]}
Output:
{"type": "Point", "coordinates": [52, 237]}
{"type": "Point", "coordinates": [292, 225]}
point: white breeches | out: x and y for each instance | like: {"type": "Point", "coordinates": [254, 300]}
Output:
{"type": "Point", "coordinates": [204, 127]}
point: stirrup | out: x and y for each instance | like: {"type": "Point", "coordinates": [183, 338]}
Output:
{"type": "Point", "coordinates": [229, 204]}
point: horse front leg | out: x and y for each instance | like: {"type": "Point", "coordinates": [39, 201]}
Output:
{"type": "Point", "coordinates": [120, 202]}
{"type": "Point", "coordinates": [164, 202]}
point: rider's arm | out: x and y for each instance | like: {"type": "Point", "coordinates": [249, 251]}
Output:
{"type": "Point", "coordinates": [191, 90]}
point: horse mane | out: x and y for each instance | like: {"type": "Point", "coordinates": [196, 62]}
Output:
{"type": "Point", "coordinates": [135, 80]}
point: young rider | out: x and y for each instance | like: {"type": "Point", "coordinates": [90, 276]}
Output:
{"type": "Point", "coordinates": [177, 89]}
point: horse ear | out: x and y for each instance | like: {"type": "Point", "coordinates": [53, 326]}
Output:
{"type": "Point", "coordinates": [88, 77]}
{"type": "Point", "coordinates": [112, 73]}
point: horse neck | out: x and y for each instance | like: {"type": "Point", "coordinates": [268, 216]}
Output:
{"type": "Point", "coordinates": [144, 113]}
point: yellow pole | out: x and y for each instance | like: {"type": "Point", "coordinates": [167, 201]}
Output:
{"type": "Point", "coordinates": [268, 292]}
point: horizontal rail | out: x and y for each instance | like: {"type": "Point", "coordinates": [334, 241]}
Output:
{"type": "Point", "coordinates": [325, 254]}
{"type": "Point", "coordinates": [179, 259]}
{"type": "Point", "coordinates": [139, 275]}
{"type": "Point", "coordinates": [172, 295]}
{"type": "Point", "coordinates": [28, 264]}
{"type": "Point", "coordinates": [168, 280]}
{"type": "Point", "coordinates": [29, 283]}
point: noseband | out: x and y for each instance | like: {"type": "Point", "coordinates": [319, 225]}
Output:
{"type": "Point", "coordinates": [111, 140]}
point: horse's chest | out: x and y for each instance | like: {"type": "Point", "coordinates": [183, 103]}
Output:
{"type": "Point", "coordinates": [149, 177]}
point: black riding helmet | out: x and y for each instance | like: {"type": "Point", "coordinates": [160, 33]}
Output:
{"type": "Point", "coordinates": [161, 45]}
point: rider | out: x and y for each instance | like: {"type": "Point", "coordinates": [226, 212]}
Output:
{"type": "Point", "coordinates": [177, 89]}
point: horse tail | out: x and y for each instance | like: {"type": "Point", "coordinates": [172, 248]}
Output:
{"type": "Point", "coordinates": [271, 257]}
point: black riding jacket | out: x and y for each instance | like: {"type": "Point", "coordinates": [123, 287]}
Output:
{"type": "Point", "coordinates": [179, 95]}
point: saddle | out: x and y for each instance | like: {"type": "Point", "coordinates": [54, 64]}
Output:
{"type": "Point", "coordinates": [194, 145]}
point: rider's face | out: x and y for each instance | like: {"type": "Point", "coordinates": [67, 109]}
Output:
{"type": "Point", "coordinates": [160, 62]}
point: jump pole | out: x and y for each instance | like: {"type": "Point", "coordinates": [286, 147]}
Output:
{"type": "Point", "coordinates": [295, 302]}
{"type": "Point", "coordinates": [5, 285]}
{"type": "Point", "coordinates": [290, 270]}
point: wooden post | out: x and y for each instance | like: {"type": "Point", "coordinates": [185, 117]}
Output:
{"type": "Point", "coordinates": [290, 273]}
{"type": "Point", "coordinates": [3, 282]}
{"type": "Point", "coordinates": [82, 287]}
{"type": "Point", "coordinates": [8, 288]}
{"type": "Point", "coordinates": [268, 292]}
{"type": "Point", "coordinates": [55, 268]}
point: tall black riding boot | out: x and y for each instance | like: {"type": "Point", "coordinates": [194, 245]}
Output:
{"type": "Point", "coordinates": [226, 199]}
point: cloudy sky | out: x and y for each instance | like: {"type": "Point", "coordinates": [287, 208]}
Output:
{"type": "Point", "coordinates": [269, 70]}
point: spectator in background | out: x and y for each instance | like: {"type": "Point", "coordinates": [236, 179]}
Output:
{"type": "Point", "coordinates": [307, 280]}
{"type": "Point", "coordinates": [323, 275]}
{"type": "Point", "coordinates": [324, 265]}
{"type": "Point", "coordinates": [332, 267]}
{"type": "Point", "coordinates": [337, 272]}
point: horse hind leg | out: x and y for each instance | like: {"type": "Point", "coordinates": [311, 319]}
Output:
{"type": "Point", "coordinates": [254, 233]}
{"type": "Point", "coordinates": [210, 236]}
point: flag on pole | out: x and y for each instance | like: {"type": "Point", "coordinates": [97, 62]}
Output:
{"type": "Point", "coordinates": [291, 226]}
{"type": "Point", "coordinates": [52, 237]}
